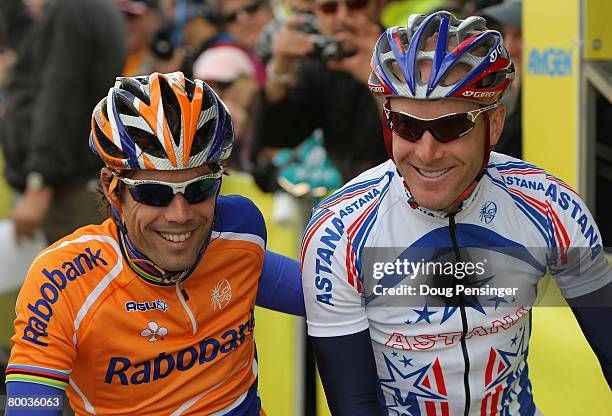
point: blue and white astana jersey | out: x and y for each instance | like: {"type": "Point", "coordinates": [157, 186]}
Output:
{"type": "Point", "coordinates": [448, 340]}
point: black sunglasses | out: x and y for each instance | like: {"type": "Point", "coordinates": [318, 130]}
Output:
{"type": "Point", "coordinates": [331, 7]}
{"type": "Point", "coordinates": [248, 9]}
{"type": "Point", "coordinates": [160, 194]}
{"type": "Point", "coordinates": [445, 128]}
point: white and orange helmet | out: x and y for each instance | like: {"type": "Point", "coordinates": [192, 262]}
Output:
{"type": "Point", "coordinates": [161, 122]}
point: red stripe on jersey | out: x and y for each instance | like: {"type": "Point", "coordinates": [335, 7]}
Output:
{"type": "Point", "coordinates": [483, 405]}
{"type": "Point", "coordinates": [489, 371]}
{"type": "Point", "coordinates": [495, 400]}
{"type": "Point", "coordinates": [311, 233]}
{"type": "Point", "coordinates": [539, 205]}
{"type": "Point", "coordinates": [348, 196]}
{"type": "Point", "coordinates": [562, 184]}
{"type": "Point", "coordinates": [430, 408]}
{"type": "Point", "coordinates": [439, 377]}
{"type": "Point", "coordinates": [350, 254]}
{"type": "Point", "coordinates": [521, 172]}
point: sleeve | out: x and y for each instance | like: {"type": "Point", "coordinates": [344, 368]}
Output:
{"type": "Point", "coordinates": [332, 293]}
{"type": "Point", "coordinates": [350, 379]}
{"type": "Point", "coordinates": [19, 391]}
{"type": "Point", "coordinates": [63, 51]}
{"type": "Point", "coordinates": [43, 349]}
{"type": "Point", "coordinates": [594, 322]}
{"type": "Point", "coordinates": [280, 285]}
{"type": "Point", "coordinates": [288, 122]}
{"type": "Point", "coordinates": [576, 257]}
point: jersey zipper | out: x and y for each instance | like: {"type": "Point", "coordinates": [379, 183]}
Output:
{"type": "Point", "coordinates": [181, 293]}
{"type": "Point", "coordinates": [466, 359]}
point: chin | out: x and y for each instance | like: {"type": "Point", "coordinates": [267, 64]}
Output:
{"type": "Point", "coordinates": [176, 267]}
{"type": "Point", "coordinates": [432, 202]}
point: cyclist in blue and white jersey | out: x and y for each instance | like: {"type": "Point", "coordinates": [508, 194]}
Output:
{"type": "Point", "coordinates": [445, 198]}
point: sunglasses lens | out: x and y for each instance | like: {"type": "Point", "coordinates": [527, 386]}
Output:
{"type": "Point", "coordinates": [161, 195]}
{"type": "Point", "coordinates": [249, 9]}
{"type": "Point", "coordinates": [231, 18]}
{"type": "Point", "coordinates": [156, 195]}
{"type": "Point", "coordinates": [329, 7]}
{"type": "Point", "coordinates": [357, 4]}
{"type": "Point", "coordinates": [252, 8]}
{"type": "Point", "coordinates": [406, 127]}
{"type": "Point", "coordinates": [444, 129]}
{"type": "Point", "coordinates": [449, 128]}
{"type": "Point", "coordinates": [201, 190]}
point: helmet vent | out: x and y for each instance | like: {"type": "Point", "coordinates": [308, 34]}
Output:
{"type": "Point", "coordinates": [171, 110]}
{"type": "Point", "coordinates": [205, 132]}
{"type": "Point", "coordinates": [107, 146]}
{"type": "Point", "coordinates": [135, 88]}
{"type": "Point", "coordinates": [124, 107]}
{"type": "Point", "coordinates": [189, 88]}
{"type": "Point", "coordinates": [146, 141]}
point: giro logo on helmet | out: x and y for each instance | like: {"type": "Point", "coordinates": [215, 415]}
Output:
{"type": "Point", "coordinates": [376, 88]}
{"type": "Point", "coordinates": [479, 94]}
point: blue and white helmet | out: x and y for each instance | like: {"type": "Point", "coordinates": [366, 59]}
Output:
{"type": "Point", "coordinates": [400, 52]}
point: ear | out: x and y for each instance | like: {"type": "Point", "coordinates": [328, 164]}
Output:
{"type": "Point", "coordinates": [496, 124]}
{"type": "Point", "coordinates": [109, 186]}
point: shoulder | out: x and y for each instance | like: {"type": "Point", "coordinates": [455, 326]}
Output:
{"type": "Point", "coordinates": [530, 183]}
{"type": "Point", "coordinates": [352, 210]}
{"type": "Point", "coordinates": [368, 188]}
{"type": "Point", "coordinates": [239, 215]}
{"type": "Point", "coordinates": [62, 276]}
{"type": "Point", "coordinates": [87, 254]}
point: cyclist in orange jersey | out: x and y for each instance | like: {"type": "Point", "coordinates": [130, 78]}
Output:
{"type": "Point", "coordinates": [151, 312]}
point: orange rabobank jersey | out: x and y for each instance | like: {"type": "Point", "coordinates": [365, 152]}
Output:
{"type": "Point", "coordinates": [120, 344]}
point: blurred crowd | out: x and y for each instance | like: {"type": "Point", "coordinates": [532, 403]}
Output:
{"type": "Point", "coordinates": [293, 74]}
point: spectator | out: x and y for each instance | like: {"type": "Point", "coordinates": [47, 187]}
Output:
{"type": "Point", "coordinates": [304, 92]}
{"type": "Point", "coordinates": [508, 15]}
{"type": "Point", "coordinates": [244, 21]}
{"type": "Point", "coordinates": [65, 63]}
{"type": "Point", "coordinates": [143, 19]}
{"type": "Point", "coordinates": [230, 72]}
{"type": "Point", "coordinates": [200, 32]}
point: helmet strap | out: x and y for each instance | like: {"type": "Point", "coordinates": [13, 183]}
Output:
{"type": "Point", "coordinates": [116, 209]}
{"type": "Point", "coordinates": [387, 133]}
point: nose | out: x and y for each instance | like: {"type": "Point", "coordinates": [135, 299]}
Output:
{"type": "Point", "coordinates": [342, 12]}
{"type": "Point", "coordinates": [179, 210]}
{"type": "Point", "coordinates": [428, 149]}
{"type": "Point", "coordinates": [241, 16]}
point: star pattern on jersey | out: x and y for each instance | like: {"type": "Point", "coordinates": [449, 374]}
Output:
{"type": "Point", "coordinates": [406, 361]}
{"type": "Point", "coordinates": [497, 300]}
{"type": "Point", "coordinates": [513, 379]}
{"type": "Point", "coordinates": [402, 409]}
{"type": "Point", "coordinates": [470, 301]}
{"type": "Point", "coordinates": [407, 387]}
{"type": "Point", "coordinates": [424, 314]}
{"type": "Point", "coordinates": [506, 356]}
